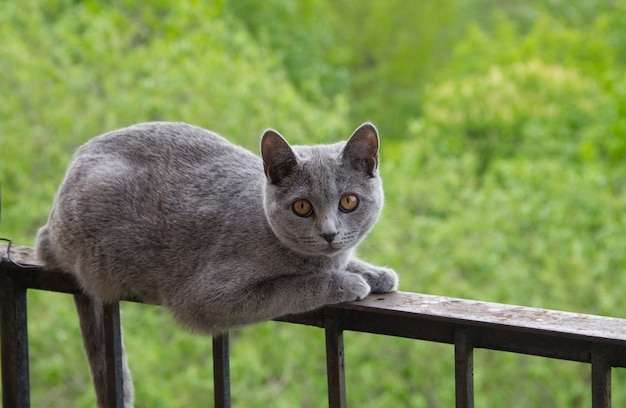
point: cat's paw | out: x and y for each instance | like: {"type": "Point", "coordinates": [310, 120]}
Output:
{"type": "Point", "coordinates": [350, 287]}
{"type": "Point", "coordinates": [380, 279]}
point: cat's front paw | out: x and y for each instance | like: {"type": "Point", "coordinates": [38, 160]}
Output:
{"type": "Point", "coordinates": [350, 287]}
{"type": "Point", "coordinates": [380, 279]}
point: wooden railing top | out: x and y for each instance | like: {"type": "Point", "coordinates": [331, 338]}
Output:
{"type": "Point", "coordinates": [497, 314]}
{"type": "Point", "coordinates": [378, 311]}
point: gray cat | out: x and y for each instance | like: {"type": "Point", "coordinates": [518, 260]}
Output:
{"type": "Point", "coordinates": [173, 214]}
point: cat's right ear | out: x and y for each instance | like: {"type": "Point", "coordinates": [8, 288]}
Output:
{"type": "Point", "coordinates": [278, 159]}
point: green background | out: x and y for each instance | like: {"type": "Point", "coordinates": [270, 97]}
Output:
{"type": "Point", "coordinates": [503, 129]}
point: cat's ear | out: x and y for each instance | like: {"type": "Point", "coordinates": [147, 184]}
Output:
{"type": "Point", "coordinates": [362, 149]}
{"type": "Point", "coordinates": [278, 159]}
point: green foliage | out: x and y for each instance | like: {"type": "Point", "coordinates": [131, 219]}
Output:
{"type": "Point", "coordinates": [301, 34]}
{"type": "Point", "coordinates": [525, 109]}
{"type": "Point", "coordinates": [593, 50]}
{"type": "Point", "coordinates": [503, 154]}
{"type": "Point", "coordinates": [369, 50]}
{"type": "Point", "coordinates": [390, 56]}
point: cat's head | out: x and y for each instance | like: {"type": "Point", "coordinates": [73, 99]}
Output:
{"type": "Point", "coordinates": [322, 200]}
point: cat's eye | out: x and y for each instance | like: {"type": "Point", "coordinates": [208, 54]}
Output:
{"type": "Point", "coordinates": [348, 203]}
{"type": "Point", "coordinates": [302, 207]}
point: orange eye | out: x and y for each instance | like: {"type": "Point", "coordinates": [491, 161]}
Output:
{"type": "Point", "coordinates": [302, 207]}
{"type": "Point", "coordinates": [348, 203]}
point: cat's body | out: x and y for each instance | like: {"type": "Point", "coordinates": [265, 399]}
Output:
{"type": "Point", "coordinates": [173, 214]}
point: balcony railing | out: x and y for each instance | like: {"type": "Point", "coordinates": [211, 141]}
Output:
{"type": "Point", "coordinates": [467, 324]}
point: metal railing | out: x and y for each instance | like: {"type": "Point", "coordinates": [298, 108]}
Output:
{"type": "Point", "coordinates": [467, 324]}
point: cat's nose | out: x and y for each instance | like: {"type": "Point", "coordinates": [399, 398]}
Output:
{"type": "Point", "coordinates": [329, 237]}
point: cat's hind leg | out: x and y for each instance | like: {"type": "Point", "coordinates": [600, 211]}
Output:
{"type": "Point", "coordinates": [91, 314]}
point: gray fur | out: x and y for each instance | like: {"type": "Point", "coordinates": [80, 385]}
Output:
{"type": "Point", "coordinates": [173, 214]}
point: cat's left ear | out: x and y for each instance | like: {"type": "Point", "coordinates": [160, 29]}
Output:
{"type": "Point", "coordinates": [279, 160]}
{"type": "Point", "coordinates": [362, 149]}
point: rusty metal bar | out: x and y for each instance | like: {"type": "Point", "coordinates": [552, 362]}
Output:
{"type": "Point", "coordinates": [14, 354]}
{"type": "Point", "coordinates": [600, 378]}
{"type": "Point", "coordinates": [463, 369]}
{"type": "Point", "coordinates": [335, 363]}
{"type": "Point", "coordinates": [221, 371]}
{"type": "Point", "coordinates": [113, 355]}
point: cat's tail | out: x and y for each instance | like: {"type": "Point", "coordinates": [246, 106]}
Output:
{"type": "Point", "coordinates": [90, 315]}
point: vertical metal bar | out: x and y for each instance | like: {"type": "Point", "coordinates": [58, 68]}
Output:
{"type": "Point", "coordinates": [463, 369]}
{"type": "Point", "coordinates": [600, 378]}
{"type": "Point", "coordinates": [113, 355]}
{"type": "Point", "coordinates": [335, 366]}
{"type": "Point", "coordinates": [221, 371]}
{"type": "Point", "coordinates": [13, 322]}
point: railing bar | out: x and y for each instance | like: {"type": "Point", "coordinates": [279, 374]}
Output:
{"type": "Point", "coordinates": [221, 371]}
{"type": "Point", "coordinates": [466, 324]}
{"type": "Point", "coordinates": [600, 378]}
{"type": "Point", "coordinates": [555, 344]}
{"type": "Point", "coordinates": [113, 355]}
{"type": "Point", "coordinates": [14, 354]}
{"type": "Point", "coordinates": [335, 365]}
{"type": "Point", "coordinates": [463, 369]}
